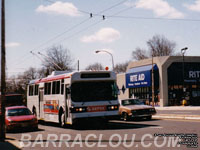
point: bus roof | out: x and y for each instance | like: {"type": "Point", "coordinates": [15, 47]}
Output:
{"type": "Point", "coordinates": [58, 75]}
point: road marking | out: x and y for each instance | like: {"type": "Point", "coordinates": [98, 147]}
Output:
{"type": "Point", "coordinates": [156, 127]}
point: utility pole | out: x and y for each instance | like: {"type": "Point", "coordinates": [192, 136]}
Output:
{"type": "Point", "coordinates": [152, 82]}
{"type": "Point", "coordinates": [3, 79]}
{"type": "Point", "coordinates": [78, 65]}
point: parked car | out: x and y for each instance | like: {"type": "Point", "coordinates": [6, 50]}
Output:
{"type": "Point", "coordinates": [134, 108]}
{"type": "Point", "coordinates": [20, 117]}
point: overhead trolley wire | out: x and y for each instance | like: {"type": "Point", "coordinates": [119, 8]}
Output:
{"type": "Point", "coordinates": [151, 18]}
{"type": "Point", "coordinates": [73, 27]}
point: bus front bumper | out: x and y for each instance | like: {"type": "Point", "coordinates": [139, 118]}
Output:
{"type": "Point", "coordinates": [105, 114]}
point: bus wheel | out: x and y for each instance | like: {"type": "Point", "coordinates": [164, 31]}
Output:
{"type": "Point", "coordinates": [62, 120]}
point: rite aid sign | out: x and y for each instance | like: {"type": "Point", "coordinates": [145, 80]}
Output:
{"type": "Point", "coordinates": [194, 74]}
{"type": "Point", "coordinates": [138, 79]}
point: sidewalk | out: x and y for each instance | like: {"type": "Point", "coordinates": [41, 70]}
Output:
{"type": "Point", "coordinates": [179, 108]}
{"type": "Point", "coordinates": [10, 144]}
{"type": "Point", "coordinates": [178, 112]}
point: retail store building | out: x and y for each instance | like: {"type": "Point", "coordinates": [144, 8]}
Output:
{"type": "Point", "coordinates": [174, 80]}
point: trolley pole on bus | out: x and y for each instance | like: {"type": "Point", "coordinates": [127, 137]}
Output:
{"type": "Point", "coordinates": [3, 82]}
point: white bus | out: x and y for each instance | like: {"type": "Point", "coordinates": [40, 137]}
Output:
{"type": "Point", "coordinates": [68, 97]}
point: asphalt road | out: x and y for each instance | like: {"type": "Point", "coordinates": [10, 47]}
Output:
{"type": "Point", "coordinates": [151, 135]}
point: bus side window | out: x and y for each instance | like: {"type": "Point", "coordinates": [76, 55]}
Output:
{"type": "Point", "coordinates": [30, 90]}
{"type": "Point", "coordinates": [36, 89]}
{"type": "Point", "coordinates": [47, 88]}
{"type": "Point", "coordinates": [62, 86]}
{"type": "Point", "coordinates": [62, 89]}
{"type": "Point", "coordinates": [56, 87]}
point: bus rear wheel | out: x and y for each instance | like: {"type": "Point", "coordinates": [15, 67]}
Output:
{"type": "Point", "coordinates": [61, 119]}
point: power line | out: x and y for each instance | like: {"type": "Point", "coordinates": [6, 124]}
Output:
{"type": "Point", "coordinates": [82, 30]}
{"type": "Point", "coordinates": [57, 36]}
{"type": "Point", "coordinates": [112, 7]}
{"type": "Point", "coordinates": [150, 18]}
{"type": "Point", "coordinates": [24, 57]}
{"type": "Point", "coordinates": [99, 13]}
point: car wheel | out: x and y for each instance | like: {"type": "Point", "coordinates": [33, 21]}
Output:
{"type": "Point", "coordinates": [149, 117]}
{"type": "Point", "coordinates": [125, 117]}
{"type": "Point", "coordinates": [36, 128]}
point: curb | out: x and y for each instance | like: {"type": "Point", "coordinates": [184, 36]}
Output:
{"type": "Point", "coordinates": [16, 143]}
{"type": "Point", "coordinates": [11, 143]}
{"type": "Point", "coordinates": [178, 108]}
{"type": "Point", "coordinates": [197, 118]}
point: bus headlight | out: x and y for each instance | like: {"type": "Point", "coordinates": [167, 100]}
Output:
{"type": "Point", "coordinates": [112, 107]}
{"type": "Point", "coordinates": [78, 109]}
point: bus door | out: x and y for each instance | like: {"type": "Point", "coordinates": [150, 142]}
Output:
{"type": "Point", "coordinates": [67, 103]}
{"type": "Point", "coordinates": [41, 103]}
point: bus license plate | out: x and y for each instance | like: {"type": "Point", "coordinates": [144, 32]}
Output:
{"type": "Point", "coordinates": [96, 108]}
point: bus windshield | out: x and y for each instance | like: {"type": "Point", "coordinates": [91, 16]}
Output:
{"type": "Point", "coordinates": [94, 91]}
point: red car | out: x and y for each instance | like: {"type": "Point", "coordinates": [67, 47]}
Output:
{"type": "Point", "coordinates": [20, 117]}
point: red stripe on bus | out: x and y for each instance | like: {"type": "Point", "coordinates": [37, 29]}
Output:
{"type": "Point", "coordinates": [52, 79]}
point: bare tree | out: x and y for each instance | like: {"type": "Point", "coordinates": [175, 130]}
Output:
{"type": "Point", "coordinates": [121, 67]}
{"type": "Point", "coordinates": [158, 45]}
{"type": "Point", "coordinates": [11, 84]}
{"type": "Point", "coordinates": [18, 83]}
{"type": "Point", "coordinates": [58, 57]}
{"type": "Point", "coordinates": [30, 74]}
{"type": "Point", "coordinates": [43, 72]}
{"type": "Point", "coordinates": [161, 46]}
{"type": "Point", "coordinates": [139, 54]}
{"type": "Point", "coordinates": [95, 66]}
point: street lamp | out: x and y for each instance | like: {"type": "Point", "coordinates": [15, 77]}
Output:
{"type": "Point", "coordinates": [98, 51]}
{"type": "Point", "coordinates": [183, 50]}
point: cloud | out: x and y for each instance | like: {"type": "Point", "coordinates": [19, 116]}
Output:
{"type": "Point", "coordinates": [130, 4]}
{"type": "Point", "coordinates": [60, 8]}
{"type": "Point", "coordinates": [160, 8]}
{"type": "Point", "coordinates": [104, 35]}
{"type": "Point", "coordinates": [194, 7]}
{"type": "Point", "coordinates": [12, 44]}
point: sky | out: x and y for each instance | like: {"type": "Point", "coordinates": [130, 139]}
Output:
{"type": "Point", "coordinates": [36, 25]}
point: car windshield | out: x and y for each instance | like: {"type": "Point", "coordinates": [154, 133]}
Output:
{"type": "Point", "coordinates": [131, 102]}
{"type": "Point", "coordinates": [18, 112]}
{"type": "Point", "coordinates": [94, 91]}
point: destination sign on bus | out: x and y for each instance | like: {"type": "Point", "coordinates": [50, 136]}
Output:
{"type": "Point", "coordinates": [96, 108]}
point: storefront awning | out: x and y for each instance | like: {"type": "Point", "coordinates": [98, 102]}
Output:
{"type": "Point", "coordinates": [142, 68]}
{"type": "Point", "coordinates": [139, 76]}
